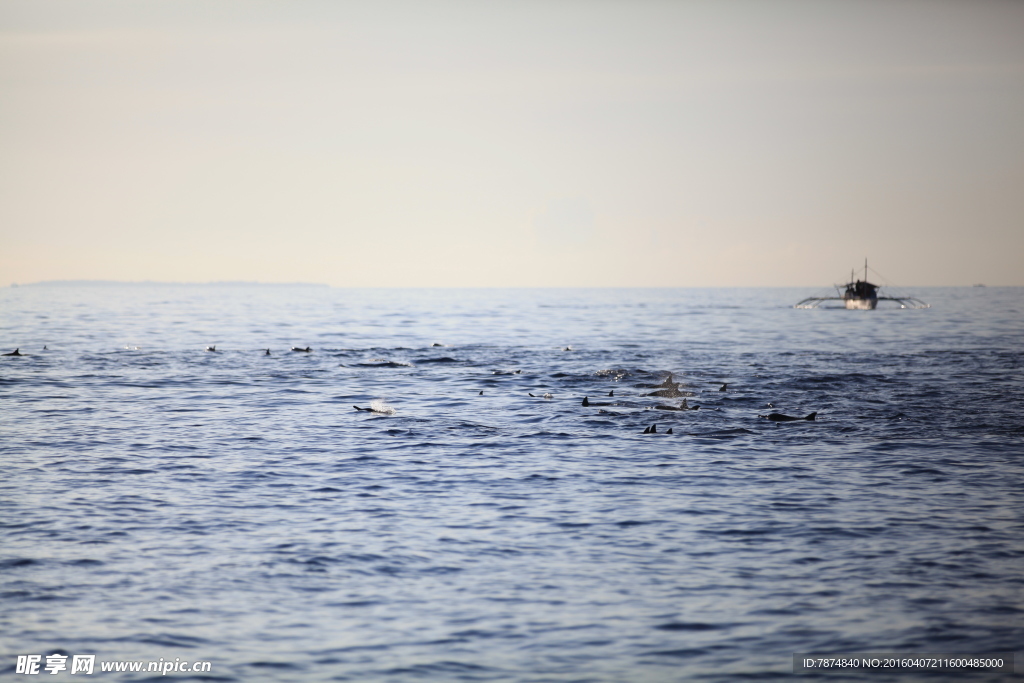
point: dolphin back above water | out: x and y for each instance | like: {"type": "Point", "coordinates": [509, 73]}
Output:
{"type": "Point", "coordinates": [682, 406]}
{"type": "Point", "coordinates": [384, 410]}
{"type": "Point", "coordinates": [779, 417]}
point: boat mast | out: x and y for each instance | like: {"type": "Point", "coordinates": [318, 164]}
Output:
{"type": "Point", "coordinates": [865, 269]}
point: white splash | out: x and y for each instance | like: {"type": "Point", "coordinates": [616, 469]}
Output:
{"type": "Point", "coordinates": [379, 406]}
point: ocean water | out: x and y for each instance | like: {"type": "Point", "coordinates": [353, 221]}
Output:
{"type": "Point", "coordinates": [161, 501]}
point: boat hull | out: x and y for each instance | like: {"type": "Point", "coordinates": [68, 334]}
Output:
{"type": "Point", "coordinates": [861, 304]}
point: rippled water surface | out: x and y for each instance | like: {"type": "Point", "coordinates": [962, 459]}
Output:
{"type": "Point", "coordinates": [160, 500]}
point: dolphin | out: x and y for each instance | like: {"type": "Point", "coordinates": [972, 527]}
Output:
{"type": "Point", "coordinates": [669, 389]}
{"type": "Point", "coordinates": [723, 387]}
{"type": "Point", "coordinates": [670, 393]}
{"type": "Point", "coordinates": [369, 410]}
{"type": "Point", "coordinates": [587, 403]}
{"type": "Point", "coordinates": [211, 348]}
{"type": "Point", "coordinates": [305, 350]}
{"type": "Point", "coordinates": [15, 352]}
{"type": "Point", "coordinates": [682, 406]}
{"type": "Point", "coordinates": [779, 417]}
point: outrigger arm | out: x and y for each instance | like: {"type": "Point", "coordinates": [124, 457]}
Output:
{"type": "Point", "coordinates": [904, 301]}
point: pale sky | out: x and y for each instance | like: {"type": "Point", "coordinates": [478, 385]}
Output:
{"type": "Point", "coordinates": [512, 143]}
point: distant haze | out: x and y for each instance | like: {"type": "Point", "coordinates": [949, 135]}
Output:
{"type": "Point", "coordinates": [528, 143]}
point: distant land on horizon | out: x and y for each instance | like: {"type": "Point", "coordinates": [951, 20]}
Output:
{"type": "Point", "coordinates": [47, 283]}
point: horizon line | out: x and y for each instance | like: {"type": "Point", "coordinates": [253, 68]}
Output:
{"type": "Point", "coordinates": [218, 283]}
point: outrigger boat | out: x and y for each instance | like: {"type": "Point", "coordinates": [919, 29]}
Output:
{"type": "Point", "coordinates": [861, 295]}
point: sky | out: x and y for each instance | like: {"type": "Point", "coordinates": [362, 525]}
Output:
{"type": "Point", "coordinates": [528, 143]}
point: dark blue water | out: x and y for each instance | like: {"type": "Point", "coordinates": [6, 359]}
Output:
{"type": "Point", "coordinates": [159, 500]}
